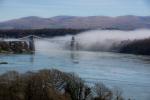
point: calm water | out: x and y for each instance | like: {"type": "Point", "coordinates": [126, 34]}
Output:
{"type": "Point", "coordinates": [129, 72]}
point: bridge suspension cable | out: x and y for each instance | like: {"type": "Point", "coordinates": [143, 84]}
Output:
{"type": "Point", "coordinates": [38, 37]}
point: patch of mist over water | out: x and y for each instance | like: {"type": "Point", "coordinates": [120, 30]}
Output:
{"type": "Point", "coordinates": [52, 44]}
{"type": "Point", "coordinates": [95, 40]}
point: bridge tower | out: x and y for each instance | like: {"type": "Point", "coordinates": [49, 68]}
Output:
{"type": "Point", "coordinates": [31, 43]}
{"type": "Point", "coordinates": [72, 44]}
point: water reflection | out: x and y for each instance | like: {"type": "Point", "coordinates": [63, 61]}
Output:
{"type": "Point", "coordinates": [32, 57]}
{"type": "Point", "coordinates": [74, 56]}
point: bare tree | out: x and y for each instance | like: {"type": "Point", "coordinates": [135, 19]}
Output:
{"type": "Point", "coordinates": [117, 94]}
{"type": "Point", "coordinates": [102, 92]}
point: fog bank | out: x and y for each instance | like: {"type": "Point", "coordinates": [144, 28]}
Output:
{"type": "Point", "coordinates": [95, 40]}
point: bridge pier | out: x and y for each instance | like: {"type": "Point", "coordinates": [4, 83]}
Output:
{"type": "Point", "coordinates": [31, 43]}
{"type": "Point", "coordinates": [72, 44]}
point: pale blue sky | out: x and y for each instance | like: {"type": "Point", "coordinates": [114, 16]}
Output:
{"type": "Point", "coordinates": [10, 9]}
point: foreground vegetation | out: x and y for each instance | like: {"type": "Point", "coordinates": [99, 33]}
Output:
{"type": "Point", "coordinates": [52, 85]}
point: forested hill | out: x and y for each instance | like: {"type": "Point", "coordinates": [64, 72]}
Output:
{"type": "Point", "coordinates": [76, 22]}
{"type": "Point", "coordinates": [140, 47]}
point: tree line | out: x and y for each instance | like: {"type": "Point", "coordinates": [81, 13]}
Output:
{"type": "Point", "coordinates": [16, 33]}
{"type": "Point", "coordinates": [140, 47]}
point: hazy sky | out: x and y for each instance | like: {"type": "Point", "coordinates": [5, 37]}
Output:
{"type": "Point", "coordinates": [10, 9]}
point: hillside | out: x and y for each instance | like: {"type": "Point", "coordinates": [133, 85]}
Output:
{"type": "Point", "coordinates": [140, 47]}
{"type": "Point", "coordinates": [74, 22]}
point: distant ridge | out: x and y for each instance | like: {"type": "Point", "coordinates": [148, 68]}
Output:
{"type": "Point", "coordinates": [76, 22]}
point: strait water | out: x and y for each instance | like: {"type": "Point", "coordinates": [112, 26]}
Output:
{"type": "Point", "coordinates": [131, 73]}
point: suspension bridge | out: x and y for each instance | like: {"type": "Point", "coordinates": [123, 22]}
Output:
{"type": "Point", "coordinates": [30, 41]}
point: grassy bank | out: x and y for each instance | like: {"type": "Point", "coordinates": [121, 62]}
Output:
{"type": "Point", "coordinates": [52, 85]}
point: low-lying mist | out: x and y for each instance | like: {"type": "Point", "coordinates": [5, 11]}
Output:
{"type": "Point", "coordinates": [94, 40]}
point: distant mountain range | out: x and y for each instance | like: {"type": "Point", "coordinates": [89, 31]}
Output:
{"type": "Point", "coordinates": [75, 22]}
